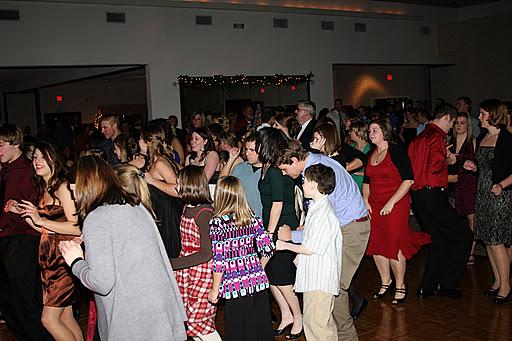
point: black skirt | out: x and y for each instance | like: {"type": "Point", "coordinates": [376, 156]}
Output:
{"type": "Point", "coordinates": [168, 212]}
{"type": "Point", "coordinates": [248, 318]}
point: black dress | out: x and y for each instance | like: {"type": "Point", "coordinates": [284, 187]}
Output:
{"type": "Point", "coordinates": [493, 214]}
{"type": "Point", "coordinates": [275, 187]}
{"type": "Point", "coordinates": [168, 214]}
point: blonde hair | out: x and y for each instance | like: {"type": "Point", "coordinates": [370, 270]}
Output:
{"type": "Point", "coordinates": [361, 130]}
{"type": "Point", "coordinates": [230, 199]}
{"type": "Point", "coordinates": [132, 181]}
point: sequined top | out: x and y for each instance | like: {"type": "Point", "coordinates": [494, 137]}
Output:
{"type": "Point", "coordinates": [236, 253]}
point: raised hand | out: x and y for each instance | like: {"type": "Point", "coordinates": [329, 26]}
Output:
{"type": "Point", "coordinates": [29, 211]}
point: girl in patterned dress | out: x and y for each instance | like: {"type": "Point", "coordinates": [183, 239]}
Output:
{"type": "Point", "coordinates": [240, 249]}
{"type": "Point", "coordinates": [193, 266]}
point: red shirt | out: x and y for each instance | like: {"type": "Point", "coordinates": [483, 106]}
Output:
{"type": "Point", "coordinates": [19, 185]}
{"type": "Point", "coordinates": [428, 158]}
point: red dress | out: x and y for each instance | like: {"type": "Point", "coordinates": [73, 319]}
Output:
{"type": "Point", "coordinates": [390, 233]}
{"type": "Point", "coordinates": [195, 282]}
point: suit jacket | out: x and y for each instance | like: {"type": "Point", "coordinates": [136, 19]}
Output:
{"type": "Point", "coordinates": [307, 135]}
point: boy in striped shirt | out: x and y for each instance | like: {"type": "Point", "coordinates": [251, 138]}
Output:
{"type": "Point", "coordinates": [320, 254]}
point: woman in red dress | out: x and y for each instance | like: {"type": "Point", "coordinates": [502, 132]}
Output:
{"type": "Point", "coordinates": [464, 146]}
{"type": "Point", "coordinates": [386, 187]}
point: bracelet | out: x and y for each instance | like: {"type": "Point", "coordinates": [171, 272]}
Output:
{"type": "Point", "coordinates": [501, 186]}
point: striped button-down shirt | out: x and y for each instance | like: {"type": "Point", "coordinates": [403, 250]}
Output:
{"type": "Point", "coordinates": [322, 236]}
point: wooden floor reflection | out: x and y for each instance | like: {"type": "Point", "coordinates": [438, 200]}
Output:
{"type": "Point", "coordinates": [473, 317]}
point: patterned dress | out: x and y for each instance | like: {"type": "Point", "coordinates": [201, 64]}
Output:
{"type": "Point", "coordinates": [195, 282]}
{"type": "Point", "coordinates": [493, 214]}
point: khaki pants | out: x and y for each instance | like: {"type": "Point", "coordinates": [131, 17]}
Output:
{"type": "Point", "coordinates": [355, 239]}
{"type": "Point", "coordinates": [318, 320]}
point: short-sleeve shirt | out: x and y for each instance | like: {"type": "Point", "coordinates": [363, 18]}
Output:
{"type": "Point", "coordinates": [276, 187]}
{"type": "Point", "coordinates": [250, 176]}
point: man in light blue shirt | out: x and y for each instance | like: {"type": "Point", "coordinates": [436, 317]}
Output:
{"type": "Point", "coordinates": [249, 174]}
{"type": "Point", "coordinates": [352, 215]}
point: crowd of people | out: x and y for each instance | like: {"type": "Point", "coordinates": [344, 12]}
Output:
{"type": "Point", "coordinates": [158, 225]}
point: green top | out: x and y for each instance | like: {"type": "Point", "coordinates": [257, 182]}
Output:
{"type": "Point", "coordinates": [359, 178]}
{"type": "Point", "coordinates": [276, 187]}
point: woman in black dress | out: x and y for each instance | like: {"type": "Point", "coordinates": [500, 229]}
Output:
{"type": "Point", "coordinates": [278, 200]}
{"type": "Point", "coordinates": [493, 211]}
{"type": "Point", "coordinates": [161, 173]}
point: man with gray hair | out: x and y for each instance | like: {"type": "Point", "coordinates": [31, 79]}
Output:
{"type": "Point", "coordinates": [306, 116]}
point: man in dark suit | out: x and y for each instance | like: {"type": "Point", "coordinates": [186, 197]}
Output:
{"type": "Point", "coordinates": [306, 116]}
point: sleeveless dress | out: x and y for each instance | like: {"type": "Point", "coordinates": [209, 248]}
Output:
{"type": "Point", "coordinates": [390, 233]}
{"type": "Point", "coordinates": [359, 178]}
{"type": "Point", "coordinates": [195, 282]}
{"type": "Point", "coordinates": [275, 186]}
{"type": "Point", "coordinates": [168, 212]}
{"type": "Point", "coordinates": [493, 214]}
{"type": "Point", "coordinates": [59, 289]}
{"type": "Point", "coordinates": [465, 188]}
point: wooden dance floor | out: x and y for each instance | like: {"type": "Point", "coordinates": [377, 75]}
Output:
{"type": "Point", "coordinates": [473, 317]}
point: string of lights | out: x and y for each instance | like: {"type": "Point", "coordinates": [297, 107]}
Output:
{"type": "Point", "coordinates": [243, 80]}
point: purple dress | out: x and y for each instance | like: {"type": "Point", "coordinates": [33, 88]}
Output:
{"type": "Point", "coordinates": [465, 187]}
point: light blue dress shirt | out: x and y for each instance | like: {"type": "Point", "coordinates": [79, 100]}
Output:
{"type": "Point", "coordinates": [346, 197]}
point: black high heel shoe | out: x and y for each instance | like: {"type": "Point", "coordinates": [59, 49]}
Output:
{"type": "Point", "coordinates": [294, 336]}
{"type": "Point", "coordinates": [399, 291]}
{"type": "Point", "coordinates": [282, 331]}
{"type": "Point", "coordinates": [499, 299]}
{"type": "Point", "coordinates": [491, 292]}
{"type": "Point", "coordinates": [386, 287]}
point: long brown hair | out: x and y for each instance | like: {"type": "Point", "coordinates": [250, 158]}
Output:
{"type": "Point", "coordinates": [230, 199]}
{"type": "Point", "coordinates": [97, 185]}
{"type": "Point", "coordinates": [154, 136]}
{"type": "Point", "coordinates": [54, 159]}
{"type": "Point", "coordinates": [468, 143]}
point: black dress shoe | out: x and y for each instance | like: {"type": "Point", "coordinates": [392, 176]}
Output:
{"type": "Point", "coordinates": [386, 287]}
{"type": "Point", "coordinates": [499, 299]}
{"type": "Point", "coordinates": [282, 331]}
{"type": "Point", "coordinates": [450, 293]}
{"type": "Point", "coordinates": [399, 291]}
{"type": "Point", "coordinates": [358, 308]}
{"type": "Point", "coordinates": [294, 336]}
{"type": "Point", "coordinates": [491, 292]}
{"type": "Point", "coordinates": [424, 293]}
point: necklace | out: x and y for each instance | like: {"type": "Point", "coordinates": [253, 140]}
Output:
{"type": "Point", "coordinates": [378, 155]}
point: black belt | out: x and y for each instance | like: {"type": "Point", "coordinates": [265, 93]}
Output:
{"type": "Point", "coordinates": [434, 188]}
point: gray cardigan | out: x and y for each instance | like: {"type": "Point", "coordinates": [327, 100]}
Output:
{"type": "Point", "coordinates": [127, 268]}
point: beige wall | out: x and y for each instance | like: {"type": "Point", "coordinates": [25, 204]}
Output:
{"type": "Point", "coordinates": [482, 67]}
{"type": "Point", "coordinates": [362, 84]}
